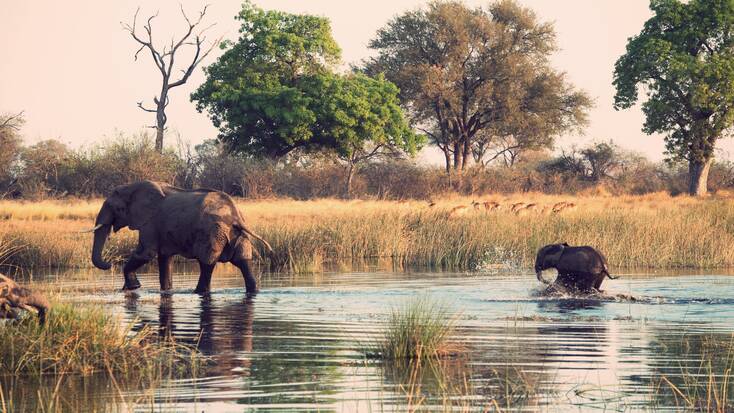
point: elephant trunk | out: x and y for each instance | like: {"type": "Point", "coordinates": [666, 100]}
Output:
{"type": "Point", "coordinates": [102, 231]}
{"type": "Point", "coordinates": [539, 270]}
{"type": "Point", "coordinates": [539, 274]}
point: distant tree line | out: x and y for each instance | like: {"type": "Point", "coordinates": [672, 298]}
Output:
{"type": "Point", "coordinates": [49, 169]}
{"type": "Point", "coordinates": [476, 82]}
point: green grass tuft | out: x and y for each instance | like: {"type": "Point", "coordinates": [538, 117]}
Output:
{"type": "Point", "coordinates": [420, 329]}
{"type": "Point", "coordinates": [87, 340]}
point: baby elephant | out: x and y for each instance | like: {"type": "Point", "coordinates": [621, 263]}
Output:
{"type": "Point", "coordinates": [14, 297]}
{"type": "Point", "coordinates": [580, 269]}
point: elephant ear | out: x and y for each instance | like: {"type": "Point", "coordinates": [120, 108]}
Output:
{"type": "Point", "coordinates": [554, 252]}
{"type": "Point", "coordinates": [143, 199]}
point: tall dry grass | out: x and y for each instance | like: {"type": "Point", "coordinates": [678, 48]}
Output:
{"type": "Point", "coordinates": [653, 230]}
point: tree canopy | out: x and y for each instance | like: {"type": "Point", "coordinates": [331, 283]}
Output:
{"type": "Point", "coordinates": [470, 76]}
{"type": "Point", "coordinates": [275, 90]}
{"type": "Point", "coordinates": [10, 145]}
{"type": "Point", "coordinates": [684, 60]}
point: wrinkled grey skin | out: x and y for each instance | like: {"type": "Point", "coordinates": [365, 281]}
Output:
{"type": "Point", "coordinates": [580, 269]}
{"type": "Point", "coordinates": [14, 297]}
{"type": "Point", "coordinates": [199, 224]}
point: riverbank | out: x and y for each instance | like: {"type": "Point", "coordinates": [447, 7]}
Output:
{"type": "Point", "coordinates": [655, 231]}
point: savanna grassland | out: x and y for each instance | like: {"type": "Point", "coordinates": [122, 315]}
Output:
{"type": "Point", "coordinates": [653, 231]}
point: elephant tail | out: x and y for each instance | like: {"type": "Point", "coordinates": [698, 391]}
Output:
{"type": "Point", "coordinates": [606, 272]}
{"type": "Point", "coordinates": [611, 277]}
{"type": "Point", "coordinates": [253, 235]}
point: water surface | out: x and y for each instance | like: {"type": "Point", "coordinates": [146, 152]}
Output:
{"type": "Point", "coordinates": [298, 344]}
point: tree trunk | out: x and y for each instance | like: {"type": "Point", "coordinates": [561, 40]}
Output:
{"type": "Point", "coordinates": [447, 155]}
{"type": "Point", "coordinates": [348, 186]}
{"type": "Point", "coordinates": [457, 156]}
{"type": "Point", "coordinates": [466, 154]}
{"type": "Point", "coordinates": [698, 175]}
{"type": "Point", "coordinates": [160, 117]}
{"type": "Point", "coordinates": [159, 138]}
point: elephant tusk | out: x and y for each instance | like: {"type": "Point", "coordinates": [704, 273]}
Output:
{"type": "Point", "coordinates": [96, 227]}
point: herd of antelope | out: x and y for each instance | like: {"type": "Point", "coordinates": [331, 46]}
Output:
{"type": "Point", "coordinates": [517, 208]}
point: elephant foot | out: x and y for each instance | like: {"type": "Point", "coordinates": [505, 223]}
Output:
{"type": "Point", "coordinates": [201, 290]}
{"type": "Point", "coordinates": [131, 285]}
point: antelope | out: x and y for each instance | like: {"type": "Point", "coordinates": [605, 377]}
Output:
{"type": "Point", "coordinates": [458, 211]}
{"type": "Point", "coordinates": [527, 208]}
{"type": "Point", "coordinates": [487, 206]}
{"type": "Point", "coordinates": [517, 206]}
{"type": "Point", "coordinates": [558, 207]}
{"type": "Point", "coordinates": [563, 206]}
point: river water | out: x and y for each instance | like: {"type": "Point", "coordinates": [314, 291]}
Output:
{"type": "Point", "coordinates": [299, 343]}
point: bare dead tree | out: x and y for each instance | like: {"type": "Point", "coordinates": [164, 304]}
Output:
{"type": "Point", "coordinates": [12, 122]}
{"type": "Point", "coordinates": [164, 59]}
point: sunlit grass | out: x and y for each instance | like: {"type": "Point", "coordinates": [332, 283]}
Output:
{"type": "Point", "coordinates": [654, 230]}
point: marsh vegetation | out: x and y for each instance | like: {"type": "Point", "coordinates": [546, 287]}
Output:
{"type": "Point", "coordinates": [301, 340]}
{"type": "Point", "coordinates": [654, 231]}
{"type": "Point", "coordinates": [81, 343]}
{"type": "Point", "coordinates": [420, 329]}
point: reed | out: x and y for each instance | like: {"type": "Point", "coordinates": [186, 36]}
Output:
{"type": "Point", "coordinates": [653, 231]}
{"type": "Point", "coordinates": [705, 385]}
{"type": "Point", "coordinates": [87, 340]}
{"type": "Point", "coordinates": [420, 329]}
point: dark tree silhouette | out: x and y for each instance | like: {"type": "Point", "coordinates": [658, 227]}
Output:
{"type": "Point", "coordinates": [164, 59]}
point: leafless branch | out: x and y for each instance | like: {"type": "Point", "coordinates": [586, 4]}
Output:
{"type": "Point", "coordinates": [165, 58]}
{"type": "Point", "coordinates": [11, 121]}
{"type": "Point", "coordinates": [140, 105]}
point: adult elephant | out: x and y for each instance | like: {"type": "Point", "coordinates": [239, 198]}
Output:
{"type": "Point", "coordinates": [580, 269]}
{"type": "Point", "coordinates": [199, 224]}
{"type": "Point", "coordinates": [14, 297]}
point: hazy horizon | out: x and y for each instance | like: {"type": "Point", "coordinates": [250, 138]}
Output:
{"type": "Point", "coordinates": [70, 65]}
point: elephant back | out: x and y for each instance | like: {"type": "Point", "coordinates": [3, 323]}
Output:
{"type": "Point", "coordinates": [582, 259]}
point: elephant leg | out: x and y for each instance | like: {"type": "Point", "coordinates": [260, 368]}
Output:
{"type": "Point", "coordinates": [242, 258]}
{"type": "Point", "coordinates": [599, 280]}
{"type": "Point", "coordinates": [138, 258]}
{"type": "Point", "coordinates": [245, 266]}
{"type": "Point", "coordinates": [131, 265]}
{"type": "Point", "coordinates": [205, 277]}
{"type": "Point", "coordinates": [587, 282]}
{"type": "Point", "coordinates": [164, 271]}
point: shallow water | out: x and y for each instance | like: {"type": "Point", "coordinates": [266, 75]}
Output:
{"type": "Point", "coordinates": [298, 343]}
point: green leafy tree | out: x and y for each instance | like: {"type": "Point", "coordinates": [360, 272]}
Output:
{"type": "Point", "coordinates": [684, 60]}
{"type": "Point", "coordinates": [360, 119]}
{"type": "Point", "coordinates": [470, 76]}
{"type": "Point", "coordinates": [260, 93]}
{"type": "Point", "coordinates": [274, 92]}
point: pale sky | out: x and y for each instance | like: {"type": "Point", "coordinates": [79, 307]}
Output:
{"type": "Point", "coordinates": [69, 65]}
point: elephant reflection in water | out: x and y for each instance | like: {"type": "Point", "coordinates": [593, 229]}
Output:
{"type": "Point", "coordinates": [582, 334]}
{"type": "Point", "coordinates": [223, 330]}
